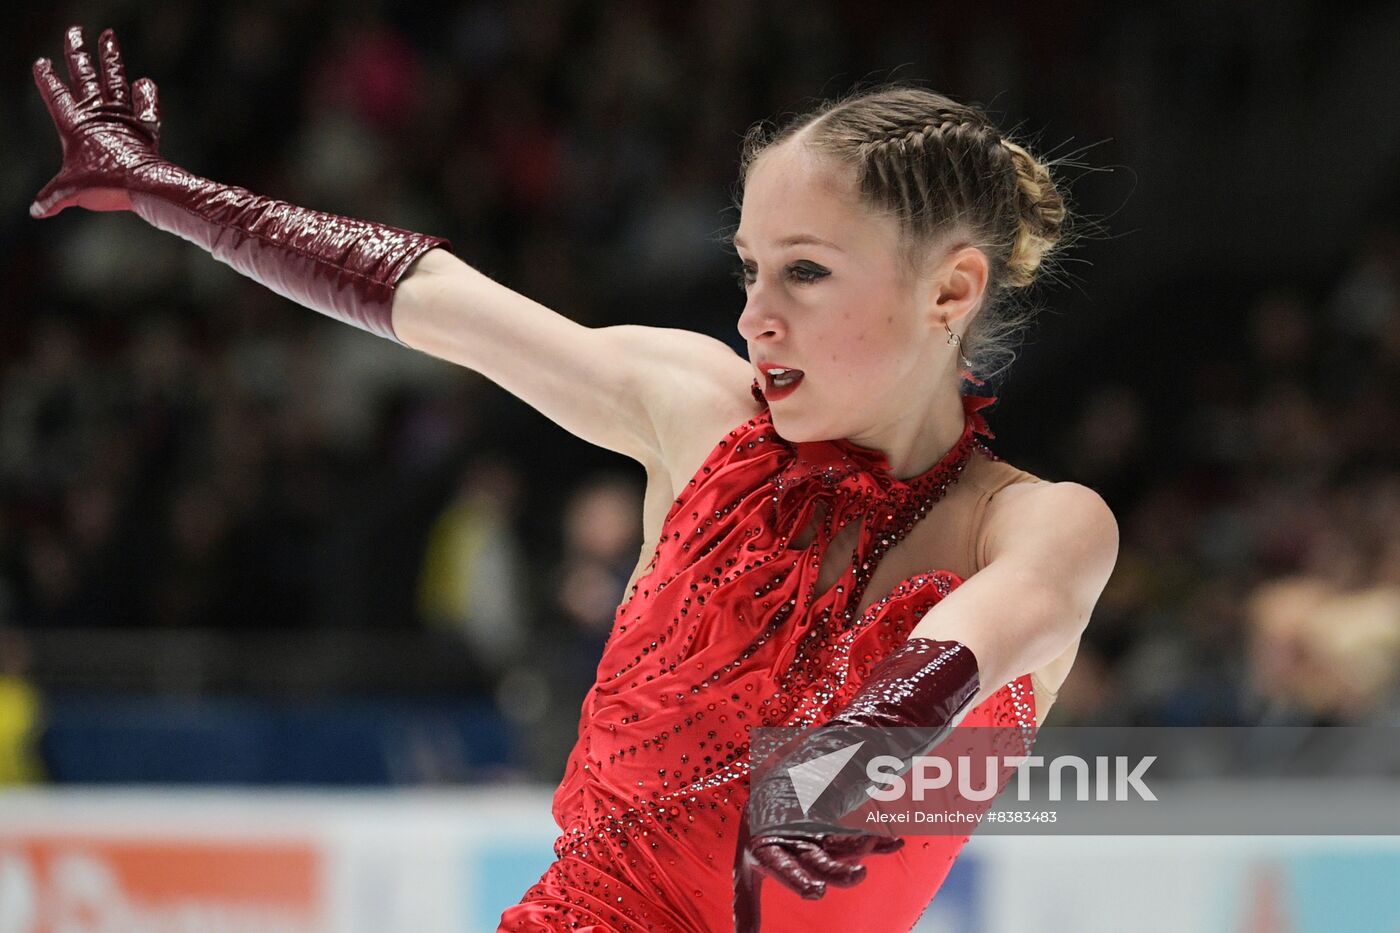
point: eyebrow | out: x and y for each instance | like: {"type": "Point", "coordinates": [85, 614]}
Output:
{"type": "Point", "coordinates": [795, 240]}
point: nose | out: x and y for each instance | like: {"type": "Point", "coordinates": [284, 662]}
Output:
{"type": "Point", "coordinates": [758, 322]}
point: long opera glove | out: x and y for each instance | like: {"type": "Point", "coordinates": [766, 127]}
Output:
{"type": "Point", "coordinates": [110, 134]}
{"type": "Point", "coordinates": [927, 684]}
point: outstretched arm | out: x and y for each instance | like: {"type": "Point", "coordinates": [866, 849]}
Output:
{"type": "Point", "coordinates": [635, 390]}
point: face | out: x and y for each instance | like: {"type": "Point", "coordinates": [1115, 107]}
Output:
{"type": "Point", "coordinates": [865, 341]}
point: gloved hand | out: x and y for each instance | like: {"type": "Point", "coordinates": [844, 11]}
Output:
{"type": "Point", "coordinates": [804, 860]}
{"type": "Point", "coordinates": [108, 130]}
{"type": "Point", "coordinates": [345, 268]}
{"type": "Point", "coordinates": [926, 684]}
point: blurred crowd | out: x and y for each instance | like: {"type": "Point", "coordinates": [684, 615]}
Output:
{"type": "Point", "coordinates": [181, 449]}
{"type": "Point", "coordinates": [1258, 580]}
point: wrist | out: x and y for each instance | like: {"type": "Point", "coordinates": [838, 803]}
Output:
{"type": "Point", "coordinates": [914, 698]}
{"type": "Point", "coordinates": [924, 683]}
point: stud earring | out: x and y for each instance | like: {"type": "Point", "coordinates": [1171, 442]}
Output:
{"type": "Point", "coordinates": [956, 341]}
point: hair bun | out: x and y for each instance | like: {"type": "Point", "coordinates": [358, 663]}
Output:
{"type": "Point", "coordinates": [1042, 216]}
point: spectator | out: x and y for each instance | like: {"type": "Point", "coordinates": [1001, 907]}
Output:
{"type": "Point", "coordinates": [474, 576]}
{"type": "Point", "coordinates": [21, 713]}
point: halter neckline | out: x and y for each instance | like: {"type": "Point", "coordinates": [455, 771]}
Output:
{"type": "Point", "coordinates": [862, 475]}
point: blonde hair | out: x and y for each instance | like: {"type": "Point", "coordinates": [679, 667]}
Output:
{"type": "Point", "coordinates": [940, 168]}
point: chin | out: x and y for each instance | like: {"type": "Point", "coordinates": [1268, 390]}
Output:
{"type": "Point", "coordinates": [797, 430]}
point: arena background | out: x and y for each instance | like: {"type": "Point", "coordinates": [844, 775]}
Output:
{"type": "Point", "coordinates": [295, 624]}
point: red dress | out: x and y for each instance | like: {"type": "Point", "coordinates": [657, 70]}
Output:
{"type": "Point", "coordinates": [724, 631]}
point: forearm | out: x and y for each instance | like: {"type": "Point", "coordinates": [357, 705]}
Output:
{"type": "Point", "coordinates": [345, 268]}
{"type": "Point", "coordinates": [427, 310]}
{"type": "Point", "coordinates": [924, 683]}
{"type": "Point", "coordinates": [453, 311]}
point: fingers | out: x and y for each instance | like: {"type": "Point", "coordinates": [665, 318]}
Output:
{"type": "Point", "coordinates": [143, 103]}
{"type": "Point", "coordinates": [787, 869]}
{"type": "Point", "coordinates": [884, 845]}
{"type": "Point", "coordinates": [54, 91]}
{"type": "Point", "coordinates": [854, 846]}
{"type": "Point", "coordinates": [114, 87]}
{"type": "Point", "coordinates": [49, 200]}
{"type": "Point", "coordinates": [80, 67]}
{"type": "Point", "coordinates": [848, 846]}
{"type": "Point", "coordinates": [822, 865]}
{"type": "Point", "coordinates": [808, 867]}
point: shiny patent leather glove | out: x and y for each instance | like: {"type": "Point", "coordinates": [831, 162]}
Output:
{"type": "Point", "coordinates": [345, 268]}
{"type": "Point", "coordinates": [926, 684]}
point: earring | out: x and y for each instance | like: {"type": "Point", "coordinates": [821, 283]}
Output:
{"type": "Point", "coordinates": [956, 341]}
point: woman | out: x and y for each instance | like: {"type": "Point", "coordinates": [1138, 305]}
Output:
{"type": "Point", "coordinates": [881, 237]}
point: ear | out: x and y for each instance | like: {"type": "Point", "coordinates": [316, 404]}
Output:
{"type": "Point", "coordinates": [958, 285]}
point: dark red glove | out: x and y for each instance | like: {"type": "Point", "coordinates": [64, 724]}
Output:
{"type": "Point", "coordinates": [110, 134]}
{"type": "Point", "coordinates": [925, 684]}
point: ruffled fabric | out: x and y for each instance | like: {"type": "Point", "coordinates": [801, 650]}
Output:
{"type": "Point", "coordinates": [842, 473]}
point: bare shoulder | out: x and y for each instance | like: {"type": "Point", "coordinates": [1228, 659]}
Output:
{"type": "Point", "coordinates": [1064, 530]}
{"type": "Point", "coordinates": [676, 346]}
{"type": "Point", "coordinates": [694, 389]}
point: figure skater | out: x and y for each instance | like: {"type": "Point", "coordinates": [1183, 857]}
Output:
{"type": "Point", "coordinates": [829, 539]}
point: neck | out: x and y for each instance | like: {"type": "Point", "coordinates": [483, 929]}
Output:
{"type": "Point", "coordinates": [913, 444]}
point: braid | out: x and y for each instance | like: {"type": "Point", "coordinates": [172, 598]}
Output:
{"type": "Point", "coordinates": [938, 170]}
{"type": "Point", "coordinates": [903, 135]}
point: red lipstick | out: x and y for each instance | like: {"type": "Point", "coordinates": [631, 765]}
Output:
{"type": "Point", "coordinates": [776, 389]}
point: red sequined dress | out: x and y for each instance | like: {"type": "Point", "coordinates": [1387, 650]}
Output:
{"type": "Point", "coordinates": [725, 631]}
